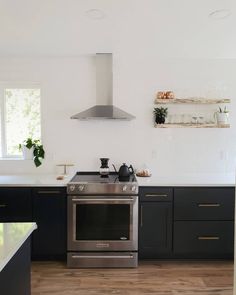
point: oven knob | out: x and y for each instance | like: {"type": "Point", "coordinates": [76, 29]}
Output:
{"type": "Point", "coordinates": [124, 188]}
{"type": "Point", "coordinates": [72, 188]}
{"type": "Point", "coordinates": [81, 188]}
{"type": "Point", "coordinates": [133, 188]}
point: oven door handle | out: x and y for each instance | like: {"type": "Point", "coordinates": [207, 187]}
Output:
{"type": "Point", "coordinates": [102, 200]}
{"type": "Point", "coordinates": [103, 256]}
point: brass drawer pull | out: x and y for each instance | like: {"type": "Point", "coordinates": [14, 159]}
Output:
{"type": "Point", "coordinates": [209, 205]}
{"type": "Point", "coordinates": [48, 192]}
{"type": "Point", "coordinates": [156, 195]}
{"type": "Point", "coordinates": [3, 205]}
{"type": "Point", "coordinates": [208, 238]}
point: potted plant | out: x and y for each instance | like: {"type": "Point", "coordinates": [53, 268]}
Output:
{"type": "Point", "coordinates": [160, 115]}
{"type": "Point", "coordinates": [33, 149]}
{"type": "Point", "coordinates": [222, 116]}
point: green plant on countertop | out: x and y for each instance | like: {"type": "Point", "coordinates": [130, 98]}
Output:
{"type": "Point", "coordinates": [223, 110]}
{"type": "Point", "coordinates": [38, 150]}
{"type": "Point", "coordinates": [160, 115]}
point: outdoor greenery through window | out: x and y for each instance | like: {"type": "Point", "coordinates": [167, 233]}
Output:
{"type": "Point", "coordinates": [20, 118]}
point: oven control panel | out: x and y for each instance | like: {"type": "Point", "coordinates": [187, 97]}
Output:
{"type": "Point", "coordinates": [102, 188]}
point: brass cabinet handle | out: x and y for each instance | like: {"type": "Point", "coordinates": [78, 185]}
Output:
{"type": "Point", "coordinates": [48, 192]}
{"type": "Point", "coordinates": [156, 195]}
{"type": "Point", "coordinates": [209, 205]}
{"type": "Point", "coordinates": [141, 216]}
{"type": "Point", "coordinates": [208, 238]}
{"type": "Point", "coordinates": [3, 205]}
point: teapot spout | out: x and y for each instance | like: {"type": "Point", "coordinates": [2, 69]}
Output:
{"type": "Point", "coordinates": [114, 168]}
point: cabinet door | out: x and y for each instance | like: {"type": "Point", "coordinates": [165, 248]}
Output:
{"type": "Point", "coordinates": [155, 229]}
{"type": "Point", "coordinates": [49, 212]}
{"type": "Point", "coordinates": [15, 204]}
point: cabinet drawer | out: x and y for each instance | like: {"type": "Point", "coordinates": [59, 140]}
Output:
{"type": "Point", "coordinates": [157, 194]}
{"type": "Point", "coordinates": [204, 237]}
{"type": "Point", "coordinates": [49, 191]}
{"type": "Point", "coordinates": [204, 204]}
{"type": "Point", "coordinates": [15, 204]}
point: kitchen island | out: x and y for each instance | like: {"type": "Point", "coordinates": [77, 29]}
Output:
{"type": "Point", "coordinates": [15, 257]}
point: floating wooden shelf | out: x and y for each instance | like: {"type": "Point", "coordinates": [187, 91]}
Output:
{"type": "Point", "coordinates": [191, 125]}
{"type": "Point", "coordinates": [192, 100]}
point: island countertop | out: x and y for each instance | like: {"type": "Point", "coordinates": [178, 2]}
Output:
{"type": "Point", "coordinates": [12, 237]}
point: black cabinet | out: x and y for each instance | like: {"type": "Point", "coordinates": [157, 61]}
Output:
{"type": "Point", "coordinates": [155, 222]}
{"type": "Point", "coordinates": [15, 204]}
{"type": "Point", "coordinates": [200, 239]}
{"type": "Point", "coordinates": [204, 203]}
{"type": "Point", "coordinates": [203, 222]}
{"type": "Point", "coordinates": [49, 212]}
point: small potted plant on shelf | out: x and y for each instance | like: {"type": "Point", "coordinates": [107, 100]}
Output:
{"type": "Point", "coordinates": [160, 115]}
{"type": "Point", "coordinates": [33, 149]}
{"type": "Point", "coordinates": [222, 116]}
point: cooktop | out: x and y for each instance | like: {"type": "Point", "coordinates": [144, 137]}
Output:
{"type": "Point", "coordinates": [95, 177]}
{"type": "Point", "coordinates": [85, 183]}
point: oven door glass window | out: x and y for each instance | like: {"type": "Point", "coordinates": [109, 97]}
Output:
{"type": "Point", "coordinates": [102, 222]}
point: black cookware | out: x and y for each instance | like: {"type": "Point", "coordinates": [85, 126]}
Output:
{"type": "Point", "coordinates": [125, 171]}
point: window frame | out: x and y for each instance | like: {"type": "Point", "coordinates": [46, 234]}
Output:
{"type": "Point", "coordinates": [3, 87]}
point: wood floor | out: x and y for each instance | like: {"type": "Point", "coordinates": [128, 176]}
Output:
{"type": "Point", "coordinates": [159, 277]}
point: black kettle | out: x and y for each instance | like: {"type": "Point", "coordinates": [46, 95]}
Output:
{"type": "Point", "coordinates": [125, 171]}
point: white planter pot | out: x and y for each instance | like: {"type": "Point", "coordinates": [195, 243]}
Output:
{"type": "Point", "coordinates": [27, 153]}
{"type": "Point", "coordinates": [222, 118]}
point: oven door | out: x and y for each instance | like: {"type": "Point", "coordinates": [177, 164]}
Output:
{"type": "Point", "coordinates": [102, 223]}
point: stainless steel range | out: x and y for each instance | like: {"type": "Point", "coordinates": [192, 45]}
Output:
{"type": "Point", "coordinates": [102, 221]}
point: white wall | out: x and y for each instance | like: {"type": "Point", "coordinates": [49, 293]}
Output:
{"type": "Point", "coordinates": [68, 86]}
{"type": "Point", "coordinates": [157, 45]}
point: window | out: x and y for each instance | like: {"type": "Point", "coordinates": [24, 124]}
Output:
{"type": "Point", "coordinates": [20, 118]}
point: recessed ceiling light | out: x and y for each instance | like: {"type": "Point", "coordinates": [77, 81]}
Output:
{"type": "Point", "coordinates": [220, 14]}
{"type": "Point", "coordinates": [95, 14]}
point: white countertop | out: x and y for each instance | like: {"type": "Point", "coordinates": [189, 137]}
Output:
{"type": "Point", "coordinates": [34, 180]}
{"type": "Point", "coordinates": [223, 180]}
{"type": "Point", "coordinates": [12, 237]}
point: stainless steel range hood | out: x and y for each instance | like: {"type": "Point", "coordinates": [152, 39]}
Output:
{"type": "Point", "coordinates": [104, 109]}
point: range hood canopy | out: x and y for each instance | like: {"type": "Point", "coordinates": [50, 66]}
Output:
{"type": "Point", "coordinates": [104, 109]}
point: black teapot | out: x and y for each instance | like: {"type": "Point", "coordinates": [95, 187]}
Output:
{"type": "Point", "coordinates": [125, 171]}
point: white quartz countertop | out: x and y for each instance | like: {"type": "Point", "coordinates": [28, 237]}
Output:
{"type": "Point", "coordinates": [33, 180]}
{"type": "Point", "coordinates": [47, 180]}
{"type": "Point", "coordinates": [223, 180]}
{"type": "Point", "coordinates": [12, 237]}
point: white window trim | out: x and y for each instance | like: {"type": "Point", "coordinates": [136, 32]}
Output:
{"type": "Point", "coordinates": [10, 85]}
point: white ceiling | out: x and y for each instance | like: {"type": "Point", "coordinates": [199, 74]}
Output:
{"type": "Point", "coordinates": [61, 27]}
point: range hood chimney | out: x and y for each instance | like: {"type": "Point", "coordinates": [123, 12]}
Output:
{"type": "Point", "coordinates": [104, 109]}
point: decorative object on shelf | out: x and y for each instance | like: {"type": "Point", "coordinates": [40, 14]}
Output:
{"type": "Point", "coordinates": [222, 116]}
{"type": "Point", "coordinates": [160, 115]}
{"type": "Point", "coordinates": [191, 125]}
{"type": "Point", "coordinates": [165, 95]}
{"type": "Point", "coordinates": [191, 100]}
{"type": "Point", "coordinates": [32, 149]}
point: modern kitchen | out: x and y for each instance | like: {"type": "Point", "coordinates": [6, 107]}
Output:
{"type": "Point", "coordinates": [117, 150]}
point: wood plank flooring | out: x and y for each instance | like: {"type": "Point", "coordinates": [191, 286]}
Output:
{"type": "Point", "coordinates": [151, 277]}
